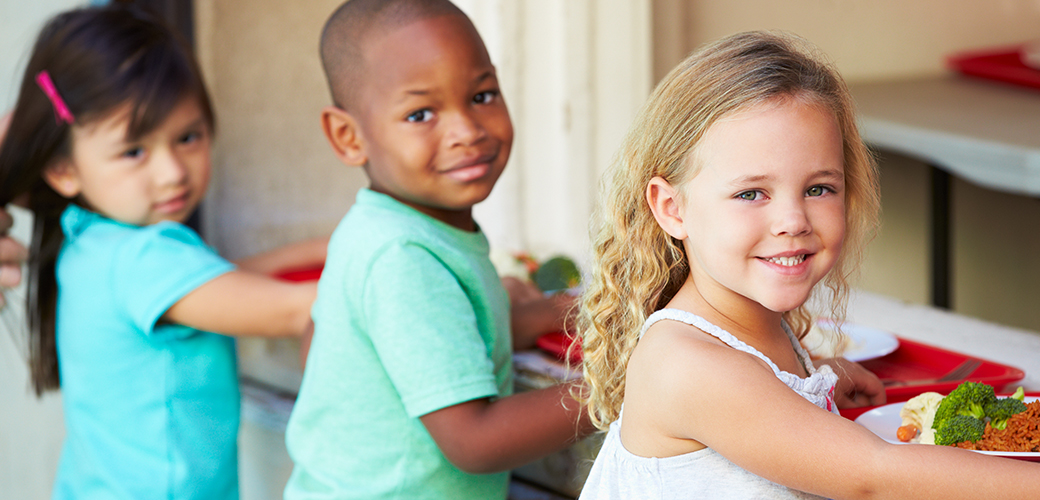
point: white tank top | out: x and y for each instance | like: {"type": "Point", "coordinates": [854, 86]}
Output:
{"type": "Point", "coordinates": [618, 474]}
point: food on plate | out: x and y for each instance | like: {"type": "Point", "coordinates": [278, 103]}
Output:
{"type": "Point", "coordinates": [972, 414]}
{"type": "Point", "coordinates": [917, 414]}
{"type": "Point", "coordinates": [555, 274]}
{"type": "Point", "coordinates": [958, 429]}
{"type": "Point", "coordinates": [1020, 434]}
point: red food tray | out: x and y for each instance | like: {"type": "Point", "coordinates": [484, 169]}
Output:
{"type": "Point", "coordinates": [308, 274]}
{"type": "Point", "coordinates": [558, 343]}
{"type": "Point", "coordinates": [1003, 65]}
{"type": "Point", "coordinates": [914, 368]}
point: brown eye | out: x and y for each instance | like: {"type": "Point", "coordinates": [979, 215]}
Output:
{"type": "Point", "coordinates": [485, 97]}
{"type": "Point", "coordinates": [423, 115]}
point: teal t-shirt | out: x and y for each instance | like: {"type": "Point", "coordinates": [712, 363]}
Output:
{"type": "Point", "coordinates": [151, 410]}
{"type": "Point", "coordinates": [410, 318]}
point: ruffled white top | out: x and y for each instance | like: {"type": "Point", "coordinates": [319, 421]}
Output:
{"type": "Point", "coordinates": [618, 474]}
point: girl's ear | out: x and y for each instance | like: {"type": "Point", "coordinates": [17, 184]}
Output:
{"type": "Point", "coordinates": [63, 178]}
{"type": "Point", "coordinates": [341, 129]}
{"type": "Point", "coordinates": [664, 203]}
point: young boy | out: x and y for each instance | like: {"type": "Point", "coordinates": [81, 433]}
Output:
{"type": "Point", "coordinates": [408, 386]}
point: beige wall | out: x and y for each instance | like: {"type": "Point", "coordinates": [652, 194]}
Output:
{"type": "Point", "coordinates": [872, 40]}
{"type": "Point", "coordinates": [994, 272]}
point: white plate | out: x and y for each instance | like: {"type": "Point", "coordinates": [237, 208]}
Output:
{"type": "Point", "coordinates": [884, 420]}
{"type": "Point", "coordinates": [863, 342]}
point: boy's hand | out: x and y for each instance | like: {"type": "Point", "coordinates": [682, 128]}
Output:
{"type": "Point", "coordinates": [520, 291]}
{"type": "Point", "coordinates": [534, 314]}
{"type": "Point", "coordinates": [857, 386]}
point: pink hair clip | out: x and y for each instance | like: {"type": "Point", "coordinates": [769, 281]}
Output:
{"type": "Point", "coordinates": [61, 111]}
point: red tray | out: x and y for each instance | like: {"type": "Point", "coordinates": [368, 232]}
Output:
{"type": "Point", "coordinates": [309, 274]}
{"type": "Point", "coordinates": [558, 343]}
{"type": "Point", "coordinates": [914, 368]}
{"type": "Point", "coordinates": [1003, 65]}
{"type": "Point", "coordinates": [911, 369]}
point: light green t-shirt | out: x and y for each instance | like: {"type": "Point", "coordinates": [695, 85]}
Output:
{"type": "Point", "coordinates": [410, 318]}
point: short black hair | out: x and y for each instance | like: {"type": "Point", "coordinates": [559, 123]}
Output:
{"type": "Point", "coordinates": [351, 24]}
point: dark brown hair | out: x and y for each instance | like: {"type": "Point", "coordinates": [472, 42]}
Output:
{"type": "Point", "coordinates": [99, 59]}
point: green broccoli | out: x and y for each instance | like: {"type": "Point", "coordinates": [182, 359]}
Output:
{"type": "Point", "coordinates": [1001, 409]}
{"type": "Point", "coordinates": [968, 399]}
{"type": "Point", "coordinates": [959, 428]}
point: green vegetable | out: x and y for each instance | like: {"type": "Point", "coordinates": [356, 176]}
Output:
{"type": "Point", "coordinates": [968, 399]}
{"type": "Point", "coordinates": [557, 273]}
{"type": "Point", "coordinates": [1000, 410]}
{"type": "Point", "coordinates": [959, 428]}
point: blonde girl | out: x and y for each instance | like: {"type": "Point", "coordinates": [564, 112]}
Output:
{"type": "Point", "coordinates": [109, 146]}
{"type": "Point", "coordinates": [742, 187]}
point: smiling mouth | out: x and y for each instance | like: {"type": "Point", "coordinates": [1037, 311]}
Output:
{"type": "Point", "coordinates": [786, 261]}
{"type": "Point", "coordinates": [472, 170]}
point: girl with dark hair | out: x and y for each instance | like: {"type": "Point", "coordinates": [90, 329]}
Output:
{"type": "Point", "coordinates": [109, 143]}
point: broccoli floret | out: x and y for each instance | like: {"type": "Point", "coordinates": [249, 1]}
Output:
{"type": "Point", "coordinates": [959, 428]}
{"type": "Point", "coordinates": [1000, 410]}
{"type": "Point", "coordinates": [1020, 394]}
{"type": "Point", "coordinates": [968, 399]}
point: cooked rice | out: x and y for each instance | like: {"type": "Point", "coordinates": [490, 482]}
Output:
{"type": "Point", "coordinates": [1022, 433]}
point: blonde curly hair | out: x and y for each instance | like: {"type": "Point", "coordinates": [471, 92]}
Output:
{"type": "Point", "coordinates": [637, 267]}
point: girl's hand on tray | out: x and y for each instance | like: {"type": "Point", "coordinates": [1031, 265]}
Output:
{"type": "Point", "coordinates": [857, 386]}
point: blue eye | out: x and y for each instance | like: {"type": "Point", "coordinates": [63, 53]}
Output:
{"type": "Point", "coordinates": [749, 195]}
{"type": "Point", "coordinates": [485, 97]}
{"type": "Point", "coordinates": [423, 115]}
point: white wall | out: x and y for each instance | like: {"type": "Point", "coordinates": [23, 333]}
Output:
{"type": "Point", "coordinates": [31, 429]}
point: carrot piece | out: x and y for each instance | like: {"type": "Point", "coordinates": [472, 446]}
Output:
{"type": "Point", "coordinates": [907, 432]}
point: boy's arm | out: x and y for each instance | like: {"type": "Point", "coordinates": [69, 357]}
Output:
{"type": "Point", "coordinates": [302, 254]}
{"type": "Point", "coordinates": [485, 436]}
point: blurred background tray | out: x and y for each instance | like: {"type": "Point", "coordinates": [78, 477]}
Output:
{"type": "Point", "coordinates": [308, 274]}
{"type": "Point", "coordinates": [1004, 65]}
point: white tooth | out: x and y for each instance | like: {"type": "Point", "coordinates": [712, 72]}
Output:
{"type": "Point", "coordinates": [788, 261]}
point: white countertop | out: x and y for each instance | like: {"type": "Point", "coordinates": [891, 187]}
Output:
{"type": "Point", "coordinates": [985, 132]}
{"type": "Point", "coordinates": [990, 341]}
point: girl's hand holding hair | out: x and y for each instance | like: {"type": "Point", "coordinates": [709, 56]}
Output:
{"type": "Point", "coordinates": [12, 253]}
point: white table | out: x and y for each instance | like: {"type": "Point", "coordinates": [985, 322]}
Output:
{"type": "Point", "coordinates": [985, 132]}
{"type": "Point", "coordinates": [941, 328]}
